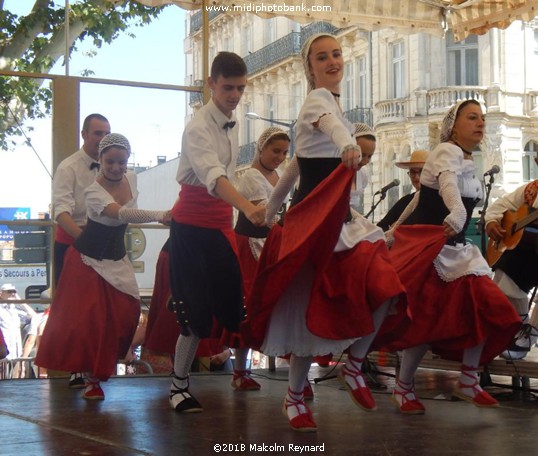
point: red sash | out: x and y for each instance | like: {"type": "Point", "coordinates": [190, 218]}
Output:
{"type": "Point", "coordinates": [197, 207]}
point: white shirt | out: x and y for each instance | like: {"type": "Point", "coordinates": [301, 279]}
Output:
{"type": "Point", "coordinates": [71, 179]}
{"type": "Point", "coordinates": [510, 201]}
{"type": "Point", "coordinates": [208, 151]}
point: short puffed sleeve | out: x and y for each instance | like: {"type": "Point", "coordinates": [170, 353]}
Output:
{"type": "Point", "coordinates": [97, 198]}
{"type": "Point", "coordinates": [318, 103]}
{"type": "Point", "coordinates": [446, 157]}
{"type": "Point", "coordinates": [254, 186]}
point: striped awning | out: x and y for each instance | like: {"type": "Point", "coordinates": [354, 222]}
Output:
{"type": "Point", "coordinates": [410, 16]}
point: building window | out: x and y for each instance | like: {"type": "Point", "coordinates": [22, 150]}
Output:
{"type": "Point", "coordinates": [247, 40]}
{"type": "Point", "coordinates": [462, 61]}
{"type": "Point", "coordinates": [248, 131]}
{"type": "Point", "coordinates": [295, 101]}
{"type": "Point", "coordinates": [397, 53]}
{"type": "Point", "coordinates": [362, 84]}
{"type": "Point", "coordinates": [349, 79]}
{"type": "Point", "coordinates": [270, 30]}
{"type": "Point", "coordinates": [530, 168]}
{"type": "Point", "coordinates": [270, 103]}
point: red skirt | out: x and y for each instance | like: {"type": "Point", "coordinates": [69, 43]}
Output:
{"type": "Point", "coordinates": [91, 324]}
{"type": "Point", "coordinates": [348, 286]}
{"type": "Point", "coordinates": [162, 329]}
{"type": "Point", "coordinates": [449, 316]}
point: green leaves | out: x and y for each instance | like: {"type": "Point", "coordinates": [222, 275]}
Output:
{"type": "Point", "coordinates": [35, 42]}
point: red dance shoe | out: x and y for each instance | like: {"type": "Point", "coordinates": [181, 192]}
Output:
{"type": "Point", "coordinates": [308, 392]}
{"type": "Point", "coordinates": [300, 417]}
{"type": "Point", "coordinates": [480, 398]}
{"type": "Point", "coordinates": [405, 404]}
{"type": "Point", "coordinates": [93, 391]}
{"type": "Point", "coordinates": [242, 381]}
{"type": "Point", "coordinates": [355, 383]}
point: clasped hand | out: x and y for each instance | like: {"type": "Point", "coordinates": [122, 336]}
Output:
{"type": "Point", "coordinates": [352, 156]}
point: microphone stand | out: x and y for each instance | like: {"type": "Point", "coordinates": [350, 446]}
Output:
{"type": "Point", "coordinates": [382, 196]}
{"type": "Point", "coordinates": [481, 224]}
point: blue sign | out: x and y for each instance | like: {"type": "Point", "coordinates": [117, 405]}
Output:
{"type": "Point", "coordinates": [12, 213]}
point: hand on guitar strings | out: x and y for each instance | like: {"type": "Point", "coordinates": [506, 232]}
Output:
{"type": "Point", "coordinates": [495, 231]}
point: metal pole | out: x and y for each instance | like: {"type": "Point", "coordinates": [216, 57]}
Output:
{"type": "Point", "coordinates": [66, 25]}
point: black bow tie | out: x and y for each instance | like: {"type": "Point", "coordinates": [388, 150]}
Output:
{"type": "Point", "coordinates": [95, 165]}
{"type": "Point", "coordinates": [230, 124]}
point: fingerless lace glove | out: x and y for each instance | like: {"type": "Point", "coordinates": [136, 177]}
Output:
{"type": "Point", "coordinates": [132, 215]}
{"type": "Point", "coordinates": [448, 189]}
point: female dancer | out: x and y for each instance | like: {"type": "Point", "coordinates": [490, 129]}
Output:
{"type": "Point", "coordinates": [457, 310]}
{"type": "Point", "coordinates": [96, 308]}
{"type": "Point", "coordinates": [256, 185]}
{"type": "Point", "coordinates": [324, 283]}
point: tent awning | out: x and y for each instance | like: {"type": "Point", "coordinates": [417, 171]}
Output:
{"type": "Point", "coordinates": [410, 16]}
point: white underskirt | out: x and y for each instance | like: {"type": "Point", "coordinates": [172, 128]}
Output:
{"type": "Point", "coordinates": [287, 332]}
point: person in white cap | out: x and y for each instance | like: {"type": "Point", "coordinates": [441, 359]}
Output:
{"type": "Point", "coordinates": [457, 310]}
{"type": "Point", "coordinates": [12, 318]}
{"type": "Point", "coordinates": [414, 167]}
{"type": "Point", "coordinates": [96, 307]}
{"type": "Point", "coordinates": [310, 296]}
{"type": "Point", "coordinates": [72, 176]}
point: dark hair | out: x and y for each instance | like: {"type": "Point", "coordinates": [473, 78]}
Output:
{"type": "Point", "coordinates": [228, 64]}
{"type": "Point", "coordinates": [465, 103]}
{"type": "Point", "coordinates": [370, 137]}
{"type": "Point", "coordinates": [277, 137]}
{"type": "Point", "coordinates": [87, 120]}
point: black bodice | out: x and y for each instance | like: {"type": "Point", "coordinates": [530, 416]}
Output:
{"type": "Point", "coordinates": [102, 242]}
{"type": "Point", "coordinates": [431, 210]}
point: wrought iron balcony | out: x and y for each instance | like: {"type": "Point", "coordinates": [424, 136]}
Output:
{"type": "Point", "coordinates": [285, 47]}
{"type": "Point", "coordinates": [196, 19]}
{"type": "Point", "coordinates": [363, 115]}
{"type": "Point", "coordinates": [246, 154]}
{"type": "Point", "coordinates": [281, 49]}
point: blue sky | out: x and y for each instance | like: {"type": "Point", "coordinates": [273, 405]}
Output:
{"type": "Point", "coordinates": [151, 119]}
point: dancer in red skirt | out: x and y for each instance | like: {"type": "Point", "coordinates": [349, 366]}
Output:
{"type": "Point", "coordinates": [324, 282]}
{"type": "Point", "coordinates": [457, 310]}
{"type": "Point", "coordinates": [97, 306]}
{"type": "Point", "coordinates": [256, 185]}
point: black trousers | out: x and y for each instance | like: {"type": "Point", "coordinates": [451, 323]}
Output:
{"type": "Point", "coordinates": [205, 279]}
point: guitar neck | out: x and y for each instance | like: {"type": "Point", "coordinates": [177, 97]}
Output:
{"type": "Point", "coordinates": [526, 220]}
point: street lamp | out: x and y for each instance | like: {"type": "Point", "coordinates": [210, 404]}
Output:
{"type": "Point", "coordinates": [290, 125]}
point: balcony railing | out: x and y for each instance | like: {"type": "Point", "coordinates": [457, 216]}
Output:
{"type": "Point", "coordinates": [285, 47]}
{"type": "Point", "coordinates": [440, 100]}
{"type": "Point", "coordinates": [391, 110]}
{"type": "Point", "coordinates": [246, 154]}
{"type": "Point", "coordinates": [281, 49]}
{"type": "Point", "coordinates": [363, 115]}
{"type": "Point", "coordinates": [434, 101]}
{"type": "Point", "coordinates": [196, 19]}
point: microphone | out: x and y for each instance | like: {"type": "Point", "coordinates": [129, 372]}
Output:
{"type": "Point", "coordinates": [387, 187]}
{"type": "Point", "coordinates": [494, 170]}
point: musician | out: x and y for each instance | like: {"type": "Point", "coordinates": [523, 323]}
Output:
{"type": "Point", "coordinates": [515, 271]}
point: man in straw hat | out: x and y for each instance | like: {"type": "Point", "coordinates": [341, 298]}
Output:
{"type": "Point", "coordinates": [414, 167]}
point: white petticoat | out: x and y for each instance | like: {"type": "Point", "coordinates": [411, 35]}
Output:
{"type": "Point", "coordinates": [287, 331]}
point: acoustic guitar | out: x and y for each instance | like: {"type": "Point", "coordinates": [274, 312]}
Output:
{"type": "Point", "coordinates": [513, 223]}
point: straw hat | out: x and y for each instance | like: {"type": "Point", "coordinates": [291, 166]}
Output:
{"type": "Point", "coordinates": [417, 160]}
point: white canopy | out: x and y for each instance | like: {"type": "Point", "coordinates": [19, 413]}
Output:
{"type": "Point", "coordinates": [465, 16]}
